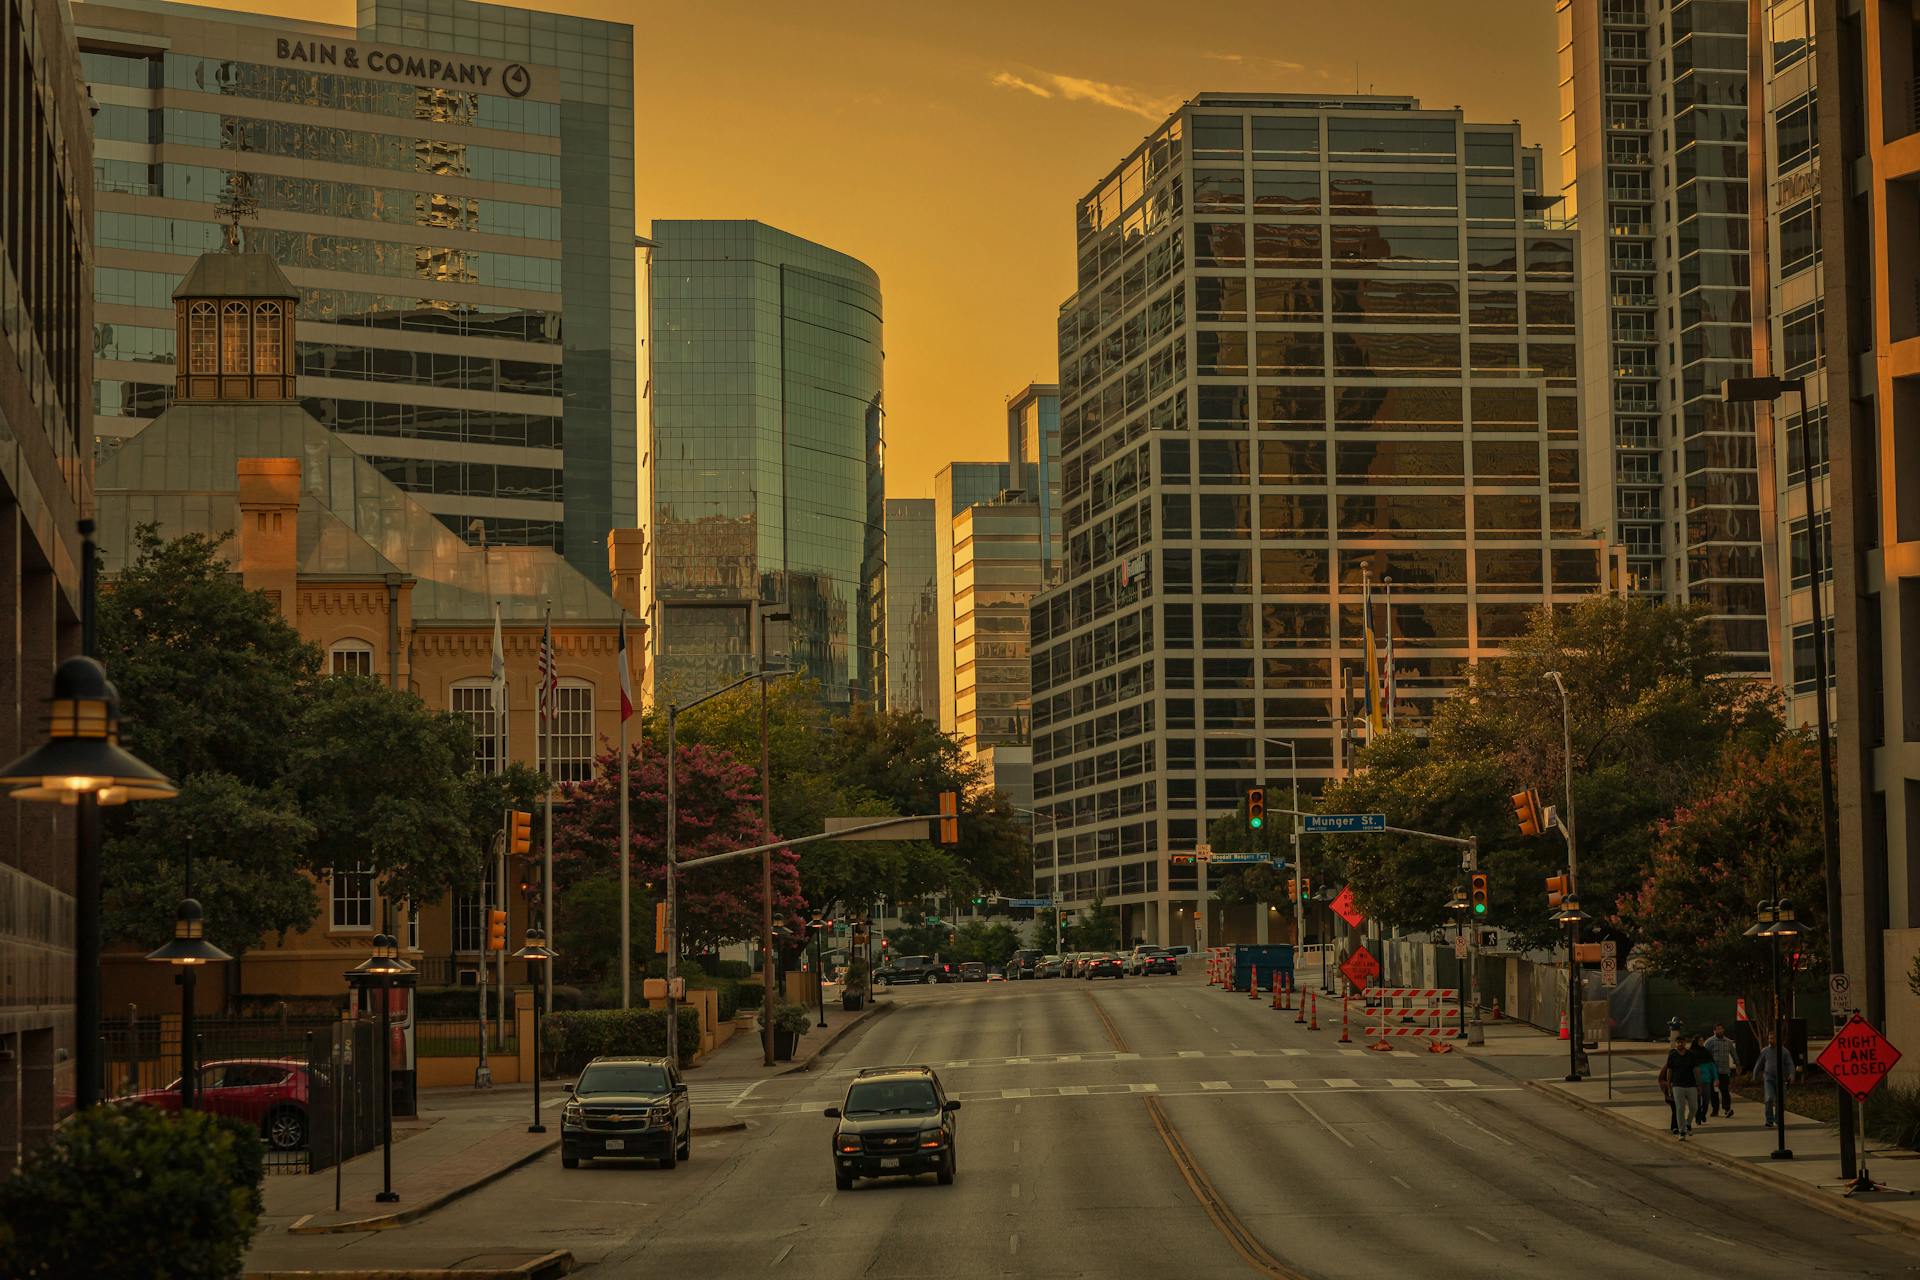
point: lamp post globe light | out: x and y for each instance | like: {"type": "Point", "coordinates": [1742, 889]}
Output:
{"type": "Point", "coordinates": [1571, 917]}
{"type": "Point", "coordinates": [538, 956]}
{"type": "Point", "coordinates": [383, 971]}
{"type": "Point", "coordinates": [187, 952]}
{"type": "Point", "coordinates": [83, 764]}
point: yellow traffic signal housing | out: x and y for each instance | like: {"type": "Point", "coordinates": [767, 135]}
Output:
{"type": "Point", "coordinates": [660, 927]}
{"type": "Point", "coordinates": [519, 831]}
{"type": "Point", "coordinates": [1559, 888]}
{"type": "Point", "coordinates": [1526, 812]}
{"type": "Point", "coordinates": [496, 930]}
{"type": "Point", "coordinates": [1293, 890]}
{"type": "Point", "coordinates": [1256, 808]}
{"type": "Point", "coordinates": [949, 817]}
{"type": "Point", "coordinates": [1477, 893]}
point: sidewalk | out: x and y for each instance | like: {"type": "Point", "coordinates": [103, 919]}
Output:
{"type": "Point", "coordinates": [1745, 1146]}
{"type": "Point", "coordinates": [447, 1152]}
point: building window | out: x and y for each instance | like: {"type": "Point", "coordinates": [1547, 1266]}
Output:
{"type": "Point", "coordinates": [351, 896]}
{"type": "Point", "coordinates": [572, 744]}
{"type": "Point", "coordinates": [1801, 553]}
{"type": "Point", "coordinates": [203, 339]}
{"type": "Point", "coordinates": [266, 338]}
{"type": "Point", "coordinates": [413, 928]}
{"type": "Point", "coordinates": [351, 658]}
{"type": "Point", "coordinates": [1803, 663]}
{"type": "Point", "coordinates": [473, 699]}
{"type": "Point", "coordinates": [235, 325]}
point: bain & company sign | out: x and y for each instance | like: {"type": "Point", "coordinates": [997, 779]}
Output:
{"type": "Point", "coordinates": [513, 79]}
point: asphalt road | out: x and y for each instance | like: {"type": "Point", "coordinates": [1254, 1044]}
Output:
{"type": "Point", "coordinates": [1155, 1127]}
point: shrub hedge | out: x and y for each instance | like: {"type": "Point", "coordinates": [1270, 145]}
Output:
{"type": "Point", "coordinates": [130, 1190]}
{"type": "Point", "coordinates": [571, 1040]}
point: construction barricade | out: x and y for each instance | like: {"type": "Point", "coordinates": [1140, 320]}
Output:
{"type": "Point", "coordinates": [1432, 1014]}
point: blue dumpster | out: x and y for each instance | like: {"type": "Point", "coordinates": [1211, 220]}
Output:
{"type": "Point", "coordinates": [1266, 960]}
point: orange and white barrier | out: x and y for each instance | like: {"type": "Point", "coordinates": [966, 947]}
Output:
{"type": "Point", "coordinates": [1429, 1013]}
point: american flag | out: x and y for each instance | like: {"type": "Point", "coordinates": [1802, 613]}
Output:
{"type": "Point", "coordinates": [549, 677]}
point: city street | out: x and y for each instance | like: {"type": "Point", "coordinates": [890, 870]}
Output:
{"type": "Point", "coordinates": [1155, 1127]}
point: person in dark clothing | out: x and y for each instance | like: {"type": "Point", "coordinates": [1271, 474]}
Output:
{"type": "Point", "coordinates": [1679, 1073]}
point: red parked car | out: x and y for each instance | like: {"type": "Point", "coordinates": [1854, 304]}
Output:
{"type": "Point", "coordinates": [269, 1092]}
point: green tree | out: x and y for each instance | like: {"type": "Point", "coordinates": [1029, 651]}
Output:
{"type": "Point", "coordinates": [1097, 929]}
{"type": "Point", "coordinates": [1653, 706]}
{"type": "Point", "coordinates": [211, 677]}
{"type": "Point", "coordinates": [1749, 833]}
{"type": "Point", "coordinates": [382, 780]}
{"type": "Point", "coordinates": [587, 915]}
{"type": "Point", "coordinates": [248, 848]}
{"type": "Point", "coordinates": [988, 943]}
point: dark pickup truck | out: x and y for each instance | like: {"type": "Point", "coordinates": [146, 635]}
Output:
{"type": "Point", "coordinates": [920, 969]}
{"type": "Point", "coordinates": [1024, 964]}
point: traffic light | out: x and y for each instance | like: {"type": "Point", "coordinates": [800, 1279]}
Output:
{"type": "Point", "coordinates": [1559, 888]}
{"type": "Point", "coordinates": [949, 817]}
{"type": "Point", "coordinates": [1477, 893]}
{"type": "Point", "coordinates": [1181, 859]}
{"type": "Point", "coordinates": [496, 930]}
{"type": "Point", "coordinates": [1306, 887]}
{"type": "Point", "coordinates": [979, 901]}
{"type": "Point", "coordinates": [1293, 890]}
{"type": "Point", "coordinates": [519, 831]}
{"type": "Point", "coordinates": [1526, 812]}
{"type": "Point", "coordinates": [1256, 808]}
{"type": "Point", "coordinates": [526, 879]}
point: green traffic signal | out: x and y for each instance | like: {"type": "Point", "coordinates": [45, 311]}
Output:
{"type": "Point", "coordinates": [1256, 823]}
{"type": "Point", "coordinates": [1479, 908]}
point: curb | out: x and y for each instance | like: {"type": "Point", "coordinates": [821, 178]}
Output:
{"type": "Point", "coordinates": [382, 1222]}
{"type": "Point", "coordinates": [878, 1011]}
{"type": "Point", "coordinates": [1840, 1208]}
{"type": "Point", "coordinates": [544, 1267]}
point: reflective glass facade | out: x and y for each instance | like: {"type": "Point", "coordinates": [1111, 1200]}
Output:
{"type": "Point", "coordinates": [766, 456]}
{"type": "Point", "coordinates": [999, 565]}
{"type": "Point", "coordinates": [1314, 341]}
{"type": "Point", "coordinates": [956, 486]}
{"type": "Point", "coordinates": [1653, 122]}
{"type": "Point", "coordinates": [912, 614]}
{"type": "Point", "coordinates": [1033, 457]}
{"type": "Point", "coordinates": [442, 181]}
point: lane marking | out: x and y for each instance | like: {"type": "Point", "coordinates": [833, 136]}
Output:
{"type": "Point", "coordinates": [1487, 1236]}
{"type": "Point", "coordinates": [1193, 1053]}
{"type": "Point", "coordinates": [1016, 1146]}
{"type": "Point", "coordinates": [1073, 1091]}
{"type": "Point", "coordinates": [1013, 1243]}
{"type": "Point", "coordinates": [1016, 1191]}
{"type": "Point", "coordinates": [1731, 1244]}
{"type": "Point", "coordinates": [781, 1258]}
{"type": "Point", "coordinates": [824, 1199]}
{"type": "Point", "coordinates": [1341, 1082]}
{"type": "Point", "coordinates": [1280, 1084]}
{"type": "Point", "coordinates": [1216, 1084]}
{"type": "Point", "coordinates": [1148, 1087]}
{"type": "Point", "coordinates": [1465, 1119]}
{"type": "Point", "coordinates": [1348, 1142]}
{"type": "Point", "coordinates": [1401, 1083]}
{"type": "Point", "coordinates": [1583, 1182]}
{"type": "Point", "coordinates": [1402, 1181]}
{"type": "Point", "coordinates": [1016, 1093]}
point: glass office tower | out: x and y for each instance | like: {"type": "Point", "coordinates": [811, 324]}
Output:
{"type": "Point", "coordinates": [766, 456]}
{"type": "Point", "coordinates": [444, 182]}
{"type": "Point", "coordinates": [912, 664]}
{"type": "Point", "coordinates": [1653, 134]}
{"type": "Point", "coordinates": [1315, 343]}
{"type": "Point", "coordinates": [1033, 457]}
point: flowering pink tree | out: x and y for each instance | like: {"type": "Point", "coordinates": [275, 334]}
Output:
{"type": "Point", "coordinates": [719, 809]}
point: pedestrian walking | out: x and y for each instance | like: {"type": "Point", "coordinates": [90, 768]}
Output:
{"type": "Point", "coordinates": [1666, 1092]}
{"type": "Point", "coordinates": [1726, 1064]}
{"type": "Point", "coordinates": [1775, 1068]}
{"type": "Point", "coordinates": [1680, 1078]}
{"type": "Point", "coordinates": [1704, 1074]}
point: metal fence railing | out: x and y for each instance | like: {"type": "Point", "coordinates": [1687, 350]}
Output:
{"type": "Point", "coordinates": [311, 1087]}
{"type": "Point", "coordinates": [460, 1038]}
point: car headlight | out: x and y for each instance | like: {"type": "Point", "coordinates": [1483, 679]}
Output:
{"type": "Point", "coordinates": [932, 1138]}
{"type": "Point", "coordinates": [847, 1144]}
{"type": "Point", "coordinates": [570, 1114]}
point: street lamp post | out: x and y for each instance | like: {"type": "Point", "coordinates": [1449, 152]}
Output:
{"type": "Point", "coordinates": [819, 927]}
{"type": "Point", "coordinates": [766, 859]}
{"type": "Point", "coordinates": [188, 950]}
{"type": "Point", "coordinates": [538, 957]}
{"type": "Point", "coordinates": [1774, 921]}
{"type": "Point", "coordinates": [83, 764]}
{"type": "Point", "coordinates": [1765, 390]}
{"type": "Point", "coordinates": [1575, 1020]}
{"type": "Point", "coordinates": [383, 971]}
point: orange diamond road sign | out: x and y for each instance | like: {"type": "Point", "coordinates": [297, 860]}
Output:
{"type": "Point", "coordinates": [1360, 967]}
{"type": "Point", "coordinates": [1343, 907]}
{"type": "Point", "coordinates": [1858, 1058]}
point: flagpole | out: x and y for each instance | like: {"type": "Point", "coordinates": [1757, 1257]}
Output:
{"type": "Point", "coordinates": [503, 738]}
{"type": "Point", "coordinates": [626, 845]}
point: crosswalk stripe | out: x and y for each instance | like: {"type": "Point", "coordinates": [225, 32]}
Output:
{"type": "Point", "coordinates": [1148, 1087]}
{"type": "Point", "coordinates": [1463, 1084]}
{"type": "Point", "coordinates": [1216, 1084]}
{"type": "Point", "coordinates": [1405, 1084]}
{"type": "Point", "coordinates": [1073, 1091]}
{"type": "Point", "coordinates": [1280, 1084]}
{"type": "Point", "coordinates": [1342, 1082]}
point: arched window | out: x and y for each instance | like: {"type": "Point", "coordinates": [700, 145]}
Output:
{"type": "Point", "coordinates": [472, 700]}
{"type": "Point", "coordinates": [266, 338]}
{"type": "Point", "coordinates": [351, 658]}
{"type": "Point", "coordinates": [573, 732]}
{"type": "Point", "coordinates": [203, 339]}
{"type": "Point", "coordinates": [235, 323]}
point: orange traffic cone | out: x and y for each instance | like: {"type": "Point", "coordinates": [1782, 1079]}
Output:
{"type": "Point", "coordinates": [1439, 1046]}
{"type": "Point", "coordinates": [1301, 1004]}
{"type": "Point", "coordinates": [1314, 1023]}
{"type": "Point", "coordinates": [1253, 984]}
{"type": "Point", "coordinates": [1344, 1037]}
{"type": "Point", "coordinates": [1496, 1008]}
{"type": "Point", "coordinates": [1278, 987]}
{"type": "Point", "coordinates": [1563, 1024]}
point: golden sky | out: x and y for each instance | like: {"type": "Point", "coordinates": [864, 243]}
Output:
{"type": "Point", "coordinates": [944, 144]}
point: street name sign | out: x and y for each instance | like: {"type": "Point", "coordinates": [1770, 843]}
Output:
{"type": "Point", "coordinates": [1336, 823]}
{"type": "Point", "coordinates": [1343, 907]}
{"type": "Point", "coordinates": [1360, 968]}
{"type": "Point", "coordinates": [1029, 902]}
{"type": "Point", "coordinates": [905, 829]}
{"type": "Point", "coordinates": [1858, 1057]}
{"type": "Point", "coordinates": [1220, 859]}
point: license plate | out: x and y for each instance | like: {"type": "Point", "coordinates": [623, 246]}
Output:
{"type": "Point", "coordinates": [616, 1144]}
{"type": "Point", "coordinates": [890, 1162]}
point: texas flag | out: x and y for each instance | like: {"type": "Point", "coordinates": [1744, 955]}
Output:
{"type": "Point", "coordinates": [626, 677]}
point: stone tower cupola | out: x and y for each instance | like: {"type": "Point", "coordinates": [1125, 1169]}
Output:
{"type": "Point", "coordinates": [234, 330]}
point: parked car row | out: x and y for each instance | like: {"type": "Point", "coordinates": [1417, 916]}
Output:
{"type": "Point", "coordinates": [1142, 960]}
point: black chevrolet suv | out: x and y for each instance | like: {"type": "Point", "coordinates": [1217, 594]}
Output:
{"type": "Point", "coordinates": [896, 1122]}
{"type": "Point", "coordinates": [627, 1107]}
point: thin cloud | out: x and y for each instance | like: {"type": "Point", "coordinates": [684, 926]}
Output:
{"type": "Point", "coordinates": [1051, 84]}
{"type": "Point", "coordinates": [1008, 80]}
{"type": "Point", "coordinates": [1278, 64]}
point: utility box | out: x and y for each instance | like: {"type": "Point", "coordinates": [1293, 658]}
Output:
{"type": "Point", "coordinates": [1264, 961]}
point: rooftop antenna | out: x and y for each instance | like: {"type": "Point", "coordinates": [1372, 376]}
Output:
{"type": "Point", "coordinates": [237, 202]}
